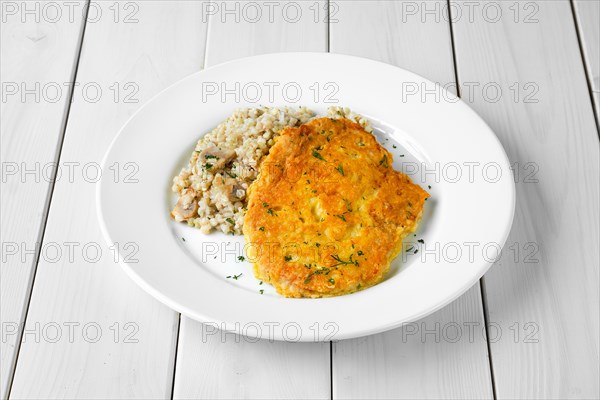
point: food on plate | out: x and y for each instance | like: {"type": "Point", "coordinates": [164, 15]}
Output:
{"type": "Point", "coordinates": [321, 207]}
{"type": "Point", "coordinates": [328, 213]}
{"type": "Point", "coordinates": [212, 187]}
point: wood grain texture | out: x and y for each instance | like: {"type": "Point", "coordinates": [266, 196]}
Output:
{"type": "Point", "coordinates": [587, 13]}
{"type": "Point", "coordinates": [161, 43]}
{"type": "Point", "coordinates": [442, 356]}
{"type": "Point", "coordinates": [216, 367]}
{"type": "Point", "coordinates": [425, 359]}
{"type": "Point", "coordinates": [543, 293]}
{"type": "Point", "coordinates": [34, 55]}
{"type": "Point", "coordinates": [283, 26]}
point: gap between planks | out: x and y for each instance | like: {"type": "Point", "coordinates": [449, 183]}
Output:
{"type": "Point", "coordinates": [481, 280]}
{"type": "Point", "coordinates": [46, 210]}
{"type": "Point", "coordinates": [588, 73]}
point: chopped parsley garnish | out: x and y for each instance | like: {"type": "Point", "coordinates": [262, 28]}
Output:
{"type": "Point", "coordinates": [341, 217]}
{"type": "Point", "coordinates": [231, 174]}
{"type": "Point", "coordinates": [235, 276]}
{"type": "Point", "coordinates": [332, 281]}
{"type": "Point", "coordinates": [394, 146]}
{"type": "Point", "coordinates": [318, 155]}
{"type": "Point", "coordinates": [207, 166]}
{"type": "Point", "coordinates": [342, 262]}
{"type": "Point", "coordinates": [211, 156]}
{"type": "Point", "coordinates": [183, 239]}
{"type": "Point", "coordinates": [411, 248]}
{"type": "Point", "coordinates": [241, 258]}
{"type": "Point", "coordinates": [429, 186]}
{"type": "Point", "coordinates": [270, 211]}
{"type": "Point", "coordinates": [348, 205]}
{"type": "Point", "coordinates": [384, 161]}
{"type": "Point", "coordinates": [288, 258]}
{"type": "Point", "coordinates": [261, 282]}
{"type": "Point", "coordinates": [421, 241]}
{"type": "Point", "coordinates": [230, 221]}
{"type": "Point", "coordinates": [261, 291]}
{"type": "Point", "coordinates": [324, 270]}
{"type": "Point", "coordinates": [262, 228]}
{"type": "Point", "coordinates": [265, 205]}
{"type": "Point", "coordinates": [340, 169]}
{"type": "Point", "coordinates": [360, 253]}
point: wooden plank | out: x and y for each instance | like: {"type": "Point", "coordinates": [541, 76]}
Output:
{"type": "Point", "coordinates": [441, 356]}
{"type": "Point", "coordinates": [122, 342]}
{"type": "Point", "coordinates": [38, 56]}
{"type": "Point", "coordinates": [544, 293]}
{"type": "Point", "coordinates": [239, 29]}
{"type": "Point", "coordinates": [420, 360]}
{"type": "Point", "coordinates": [212, 366]}
{"type": "Point", "coordinates": [587, 13]}
{"type": "Point", "coordinates": [217, 365]}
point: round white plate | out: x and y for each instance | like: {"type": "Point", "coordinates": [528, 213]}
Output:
{"type": "Point", "coordinates": [433, 136]}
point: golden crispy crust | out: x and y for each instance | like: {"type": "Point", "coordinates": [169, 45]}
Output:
{"type": "Point", "coordinates": [328, 212]}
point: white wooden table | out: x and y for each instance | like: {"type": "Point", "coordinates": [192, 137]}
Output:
{"type": "Point", "coordinates": [74, 326]}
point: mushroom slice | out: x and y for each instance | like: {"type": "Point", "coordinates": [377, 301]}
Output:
{"type": "Point", "coordinates": [216, 158]}
{"type": "Point", "coordinates": [186, 207]}
{"type": "Point", "coordinates": [228, 188]}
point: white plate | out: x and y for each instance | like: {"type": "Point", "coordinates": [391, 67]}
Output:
{"type": "Point", "coordinates": [466, 221]}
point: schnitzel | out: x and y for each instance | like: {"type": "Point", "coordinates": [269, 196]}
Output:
{"type": "Point", "coordinates": [328, 213]}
